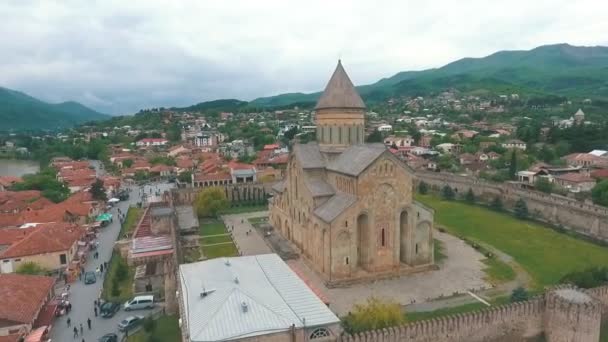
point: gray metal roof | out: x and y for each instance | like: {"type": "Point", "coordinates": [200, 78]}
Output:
{"type": "Point", "coordinates": [356, 158]}
{"type": "Point", "coordinates": [309, 156]}
{"type": "Point", "coordinates": [340, 92]}
{"type": "Point", "coordinates": [274, 296]}
{"type": "Point", "coordinates": [319, 187]}
{"type": "Point", "coordinates": [161, 211]}
{"type": "Point", "coordinates": [334, 206]}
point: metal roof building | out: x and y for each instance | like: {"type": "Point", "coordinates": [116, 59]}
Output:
{"type": "Point", "coordinates": [228, 299]}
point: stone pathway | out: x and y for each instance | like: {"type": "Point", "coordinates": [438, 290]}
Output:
{"type": "Point", "coordinates": [246, 237]}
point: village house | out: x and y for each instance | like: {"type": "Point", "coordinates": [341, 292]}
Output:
{"type": "Point", "coordinates": [514, 144]}
{"type": "Point", "coordinates": [449, 148]}
{"type": "Point", "coordinates": [585, 160]}
{"type": "Point", "coordinates": [52, 246]}
{"type": "Point", "coordinates": [147, 142]}
{"type": "Point", "coordinates": [405, 141]}
{"type": "Point", "coordinates": [575, 182]}
{"type": "Point", "coordinates": [178, 150]}
{"type": "Point", "coordinates": [23, 304]}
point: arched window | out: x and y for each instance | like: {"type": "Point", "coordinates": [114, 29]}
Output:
{"type": "Point", "coordinates": [319, 333]}
{"type": "Point", "coordinates": [382, 238]}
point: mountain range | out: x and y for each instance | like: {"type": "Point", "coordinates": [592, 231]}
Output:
{"type": "Point", "coordinates": [19, 111]}
{"type": "Point", "coordinates": [561, 69]}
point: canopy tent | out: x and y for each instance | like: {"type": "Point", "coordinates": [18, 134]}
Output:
{"type": "Point", "coordinates": [37, 335]}
{"type": "Point", "coordinates": [104, 217]}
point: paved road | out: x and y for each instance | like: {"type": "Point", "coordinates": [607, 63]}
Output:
{"type": "Point", "coordinates": [249, 243]}
{"type": "Point", "coordinates": [82, 296]}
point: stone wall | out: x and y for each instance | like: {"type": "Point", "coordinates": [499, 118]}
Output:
{"type": "Point", "coordinates": [510, 322]}
{"type": "Point", "coordinates": [242, 193]}
{"type": "Point", "coordinates": [585, 218]}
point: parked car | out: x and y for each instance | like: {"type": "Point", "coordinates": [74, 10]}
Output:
{"type": "Point", "coordinates": [90, 278]}
{"type": "Point", "coordinates": [130, 322]}
{"type": "Point", "coordinates": [140, 302]}
{"type": "Point", "coordinates": [108, 338]}
{"type": "Point", "coordinates": [108, 309]}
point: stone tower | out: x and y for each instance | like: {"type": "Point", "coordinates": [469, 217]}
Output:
{"type": "Point", "coordinates": [572, 316]}
{"type": "Point", "coordinates": [340, 114]}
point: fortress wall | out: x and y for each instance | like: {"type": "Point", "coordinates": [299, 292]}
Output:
{"type": "Point", "coordinates": [587, 219]}
{"type": "Point", "coordinates": [510, 322]}
{"type": "Point", "coordinates": [235, 193]}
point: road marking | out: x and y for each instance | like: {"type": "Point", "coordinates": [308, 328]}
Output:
{"type": "Point", "coordinates": [478, 298]}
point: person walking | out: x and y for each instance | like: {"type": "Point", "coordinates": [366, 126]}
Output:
{"type": "Point", "coordinates": [95, 309]}
{"type": "Point", "coordinates": [81, 329]}
{"type": "Point", "coordinates": [89, 322]}
{"type": "Point", "coordinates": [75, 332]}
{"type": "Point", "coordinates": [101, 268]}
{"type": "Point", "coordinates": [69, 321]}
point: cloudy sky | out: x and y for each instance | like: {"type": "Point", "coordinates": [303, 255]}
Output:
{"type": "Point", "coordinates": [120, 56]}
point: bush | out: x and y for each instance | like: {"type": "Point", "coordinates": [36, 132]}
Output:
{"type": "Point", "coordinates": [496, 204]}
{"type": "Point", "coordinates": [469, 196]}
{"type": "Point", "coordinates": [447, 192]}
{"type": "Point", "coordinates": [31, 268]}
{"type": "Point", "coordinates": [521, 209]}
{"type": "Point", "coordinates": [423, 188]}
{"type": "Point", "coordinates": [115, 290]}
{"type": "Point", "coordinates": [210, 201]}
{"type": "Point", "coordinates": [519, 295]}
{"type": "Point", "coordinates": [599, 193]}
{"type": "Point", "coordinates": [121, 272]}
{"type": "Point", "coordinates": [374, 314]}
{"type": "Point", "coordinates": [588, 278]}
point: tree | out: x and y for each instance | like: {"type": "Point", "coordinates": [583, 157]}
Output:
{"type": "Point", "coordinates": [185, 177]}
{"type": "Point", "coordinates": [599, 193]}
{"type": "Point", "coordinates": [519, 295]}
{"type": "Point", "coordinates": [469, 196]}
{"type": "Point", "coordinates": [375, 137]}
{"type": "Point", "coordinates": [587, 278]}
{"type": "Point", "coordinates": [127, 163]}
{"type": "Point", "coordinates": [513, 165]}
{"type": "Point", "coordinates": [446, 162]}
{"type": "Point", "coordinates": [149, 324]}
{"type": "Point", "coordinates": [31, 268]}
{"type": "Point", "coordinates": [289, 134]}
{"type": "Point", "coordinates": [521, 209]}
{"type": "Point", "coordinates": [210, 201]}
{"type": "Point", "coordinates": [447, 192]}
{"type": "Point", "coordinates": [543, 184]}
{"type": "Point", "coordinates": [423, 188]}
{"type": "Point", "coordinates": [496, 204]}
{"type": "Point", "coordinates": [374, 314]}
{"type": "Point", "coordinates": [98, 191]}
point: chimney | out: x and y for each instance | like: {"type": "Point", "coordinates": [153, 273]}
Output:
{"type": "Point", "coordinates": [244, 307]}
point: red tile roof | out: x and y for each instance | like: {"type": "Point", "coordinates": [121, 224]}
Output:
{"type": "Point", "coordinates": [47, 238]}
{"type": "Point", "coordinates": [603, 173]}
{"type": "Point", "coordinates": [212, 176]}
{"type": "Point", "coordinates": [23, 296]}
{"type": "Point", "coordinates": [9, 236]}
{"type": "Point", "coordinates": [271, 146]}
{"type": "Point", "coordinates": [10, 338]}
{"type": "Point", "coordinates": [7, 181]}
{"type": "Point", "coordinates": [575, 178]}
{"type": "Point", "coordinates": [234, 165]}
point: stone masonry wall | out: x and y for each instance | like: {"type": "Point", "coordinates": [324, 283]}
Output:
{"type": "Point", "coordinates": [510, 322]}
{"type": "Point", "coordinates": [235, 193]}
{"type": "Point", "coordinates": [587, 219]}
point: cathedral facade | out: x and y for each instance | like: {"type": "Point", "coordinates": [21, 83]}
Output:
{"type": "Point", "coordinates": [347, 205]}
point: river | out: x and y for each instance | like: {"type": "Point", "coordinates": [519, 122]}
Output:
{"type": "Point", "coordinates": [18, 168]}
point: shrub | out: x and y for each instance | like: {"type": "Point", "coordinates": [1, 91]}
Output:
{"type": "Point", "coordinates": [469, 196]}
{"type": "Point", "coordinates": [115, 290]}
{"type": "Point", "coordinates": [423, 188]}
{"type": "Point", "coordinates": [496, 204]}
{"type": "Point", "coordinates": [374, 314]}
{"type": "Point", "coordinates": [588, 278]}
{"type": "Point", "coordinates": [447, 192]}
{"type": "Point", "coordinates": [521, 209]}
{"type": "Point", "coordinates": [149, 324]}
{"type": "Point", "coordinates": [519, 295]}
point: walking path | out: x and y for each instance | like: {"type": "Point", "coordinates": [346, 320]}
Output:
{"type": "Point", "coordinates": [82, 296]}
{"type": "Point", "coordinates": [245, 235]}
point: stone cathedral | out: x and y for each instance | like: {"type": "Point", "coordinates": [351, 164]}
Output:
{"type": "Point", "coordinates": [347, 205]}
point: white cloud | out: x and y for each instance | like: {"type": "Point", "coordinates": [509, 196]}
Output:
{"type": "Point", "coordinates": [119, 56]}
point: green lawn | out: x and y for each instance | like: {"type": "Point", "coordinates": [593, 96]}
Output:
{"type": "Point", "coordinates": [544, 253]}
{"type": "Point", "coordinates": [498, 271]}
{"type": "Point", "coordinates": [215, 239]}
{"type": "Point", "coordinates": [125, 286]}
{"type": "Point", "coordinates": [218, 251]}
{"type": "Point", "coordinates": [167, 329]}
{"type": "Point", "coordinates": [422, 315]}
{"type": "Point", "coordinates": [212, 227]}
{"type": "Point", "coordinates": [258, 220]}
{"type": "Point", "coordinates": [133, 215]}
{"type": "Point", "coordinates": [244, 209]}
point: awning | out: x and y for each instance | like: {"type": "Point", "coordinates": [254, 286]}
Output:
{"type": "Point", "coordinates": [104, 217]}
{"type": "Point", "coordinates": [36, 335]}
{"type": "Point", "coordinates": [113, 200]}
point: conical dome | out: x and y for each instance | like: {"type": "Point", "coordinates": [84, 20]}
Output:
{"type": "Point", "coordinates": [340, 92]}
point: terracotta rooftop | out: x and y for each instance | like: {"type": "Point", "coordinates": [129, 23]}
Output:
{"type": "Point", "coordinates": [9, 236]}
{"type": "Point", "coordinates": [575, 177]}
{"type": "Point", "coordinates": [47, 238]}
{"type": "Point", "coordinates": [340, 92]}
{"type": "Point", "coordinates": [603, 173]}
{"type": "Point", "coordinates": [212, 176]}
{"type": "Point", "coordinates": [7, 181]}
{"type": "Point", "coordinates": [23, 296]}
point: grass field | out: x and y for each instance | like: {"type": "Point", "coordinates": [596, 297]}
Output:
{"type": "Point", "coordinates": [218, 251]}
{"type": "Point", "coordinates": [498, 271]}
{"type": "Point", "coordinates": [125, 286]}
{"type": "Point", "coordinates": [215, 227]}
{"type": "Point", "coordinates": [245, 209]}
{"type": "Point", "coordinates": [167, 329]}
{"type": "Point", "coordinates": [215, 239]}
{"type": "Point", "coordinates": [422, 315]}
{"type": "Point", "coordinates": [544, 253]}
{"type": "Point", "coordinates": [132, 217]}
{"type": "Point", "coordinates": [212, 227]}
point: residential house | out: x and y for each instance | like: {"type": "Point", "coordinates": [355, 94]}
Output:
{"type": "Point", "coordinates": [178, 150]}
{"type": "Point", "coordinates": [585, 160]}
{"type": "Point", "coordinates": [486, 144]}
{"type": "Point", "coordinates": [52, 246]}
{"type": "Point", "coordinates": [467, 158]}
{"type": "Point", "coordinates": [514, 144]}
{"type": "Point", "coordinates": [600, 175]}
{"type": "Point", "coordinates": [399, 141]}
{"type": "Point", "coordinates": [449, 148]}
{"type": "Point", "coordinates": [251, 298]}
{"type": "Point", "coordinates": [147, 142]}
{"type": "Point", "coordinates": [385, 128]}
{"type": "Point", "coordinates": [575, 182]}
{"type": "Point", "coordinates": [163, 171]}
{"type": "Point", "coordinates": [24, 298]}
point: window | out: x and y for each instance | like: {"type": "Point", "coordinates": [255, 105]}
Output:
{"type": "Point", "coordinates": [346, 224]}
{"type": "Point", "coordinates": [382, 238]}
{"type": "Point", "coordinates": [63, 259]}
{"type": "Point", "coordinates": [416, 248]}
{"type": "Point", "coordinates": [319, 333]}
{"type": "Point", "coordinates": [346, 260]}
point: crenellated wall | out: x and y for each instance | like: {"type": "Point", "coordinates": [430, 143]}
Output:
{"type": "Point", "coordinates": [587, 219]}
{"type": "Point", "coordinates": [558, 315]}
{"type": "Point", "coordinates": [242, 193]}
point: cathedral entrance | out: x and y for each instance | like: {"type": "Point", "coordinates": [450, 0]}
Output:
{"type": "Point", "coordinates": [363, 245]}
{"type": "Point", "coordinates": [403, 248]}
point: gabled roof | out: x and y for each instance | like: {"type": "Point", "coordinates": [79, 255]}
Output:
{"type": "Point", "coordinates": [274, 296]}
{"type": "Point", "coordinates": [357, 158]}
{"type": "Point", "coordinates": [318, 187]}
{"type": "Point", "coordinates": [309, 156]}
{"type": "Point", "coordinates": [48, 238]}
{"type": "Point", "coordinates": [23, 296]}
{"type": "Point", "coordinates": [334, 206]}
{"type": "Point", "coordinates": [340, 92]}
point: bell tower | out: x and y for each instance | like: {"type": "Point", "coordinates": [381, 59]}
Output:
{"type": "Point", "coordinates": [340, 113]}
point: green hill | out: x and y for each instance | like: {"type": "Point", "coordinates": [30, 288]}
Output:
{"type": "Point", "coordinates": [19, 111]}
{"type": "Point", "coordinates": [561, 69]}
